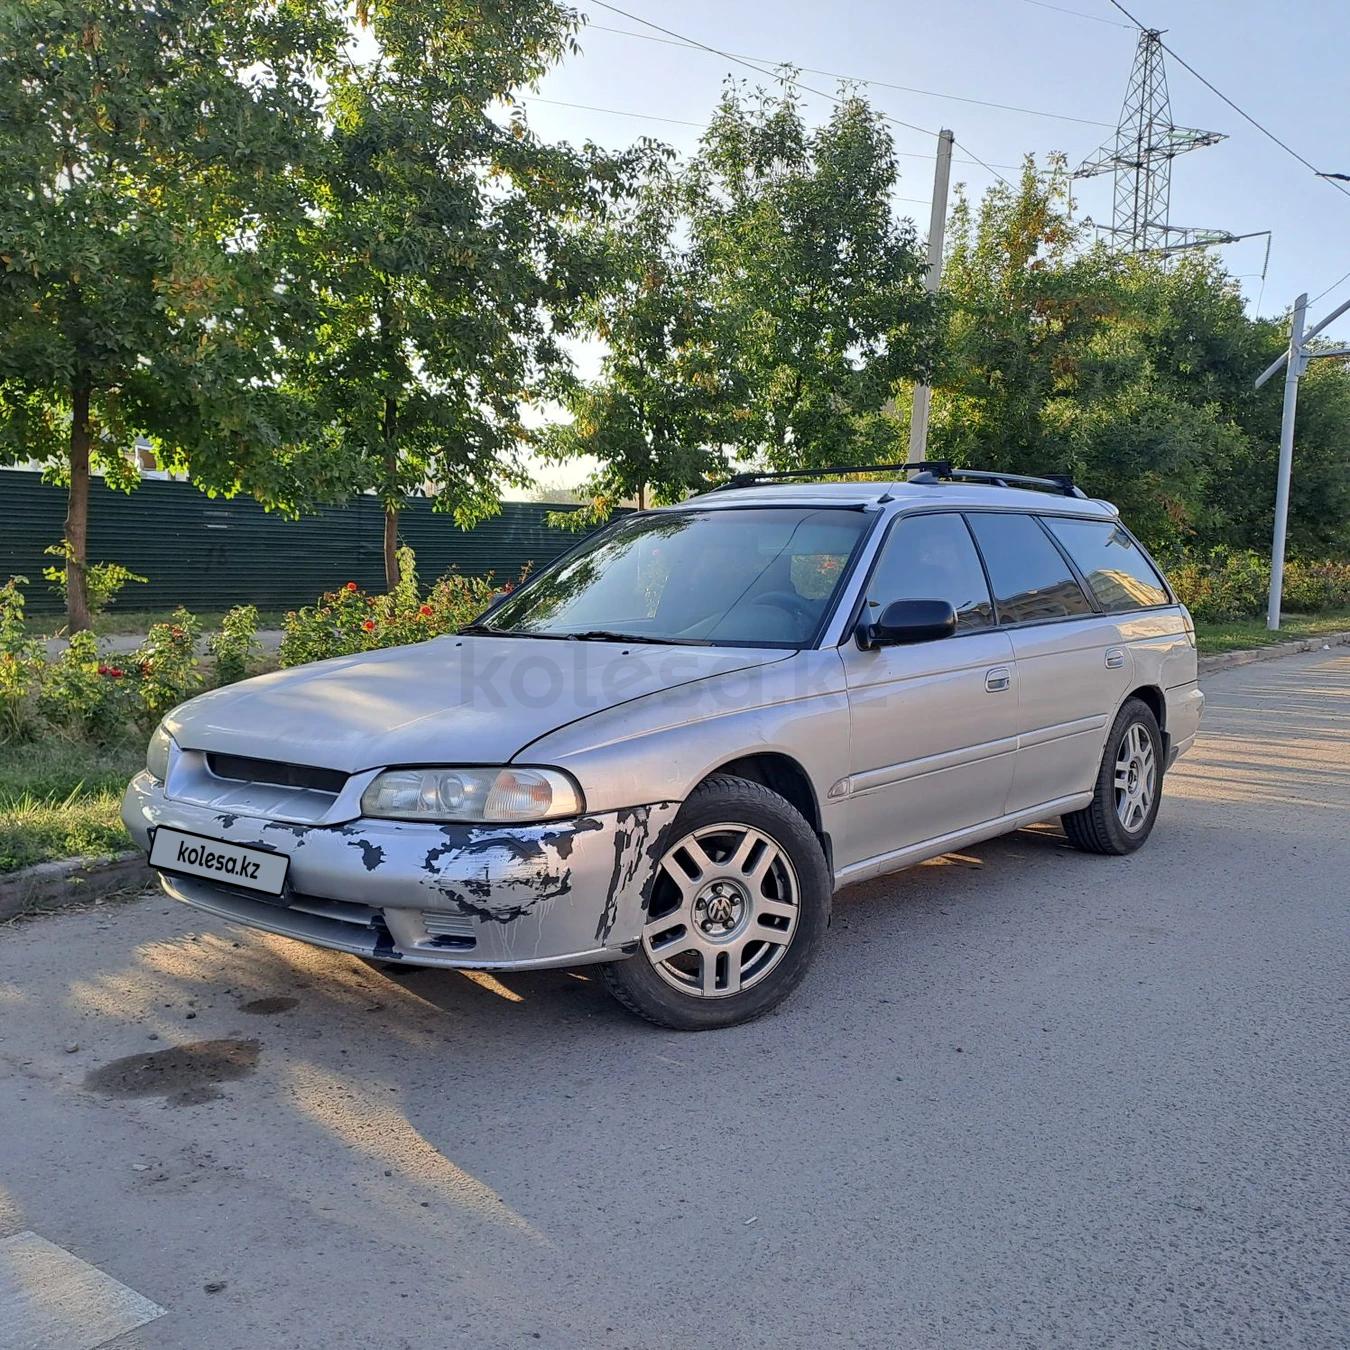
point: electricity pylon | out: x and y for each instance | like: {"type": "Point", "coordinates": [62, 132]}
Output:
{"type": "Point", "coordinates": [1140, 156]}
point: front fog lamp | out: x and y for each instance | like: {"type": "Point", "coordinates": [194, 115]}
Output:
{"type": "Point", "coordinates": [498, 794]}
{"type": "Point", "coordinates": [157, 754]}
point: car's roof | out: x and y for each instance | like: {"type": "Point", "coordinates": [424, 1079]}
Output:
{"type": "Point", "coordinates": [901, 494]}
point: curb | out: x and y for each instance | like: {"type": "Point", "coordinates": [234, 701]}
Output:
{"type": "Point", "coordinates": [71, 881]}
{"type": "Point", "coordinates": [1208, 665]}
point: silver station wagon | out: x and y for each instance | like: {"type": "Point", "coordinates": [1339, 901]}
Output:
{"type": "Point", "coordinates": [669, 749]}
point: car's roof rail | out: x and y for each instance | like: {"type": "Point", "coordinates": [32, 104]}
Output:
{"type": "Point", "coordinates": [750, 479]}
{"type": "Point", "coordinates": [1056, 482]}
{"type": "Point", "coordinates": [925, 471]}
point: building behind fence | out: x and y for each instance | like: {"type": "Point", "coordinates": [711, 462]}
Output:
{"type": "Point", "coordinates": [210, 554]}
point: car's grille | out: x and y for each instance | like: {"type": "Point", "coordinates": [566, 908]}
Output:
{"type": "Point", "coordinates": [243, 769]}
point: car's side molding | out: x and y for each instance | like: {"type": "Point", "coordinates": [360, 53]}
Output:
{"type": "Point", "coordinates": [901, 858]}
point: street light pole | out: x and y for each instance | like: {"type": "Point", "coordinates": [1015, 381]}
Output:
{"type": "Point", "coordinates": [1293, 369]}
{"type": "Point", "coordinates": [1295, 361]}
{"type": "Point", "coordinates": [937, 228]}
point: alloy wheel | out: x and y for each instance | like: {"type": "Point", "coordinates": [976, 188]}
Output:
{"type": "Point", "coordinates": [1136, 777]}
{"type": "Point", "coordinates": [725, 905]}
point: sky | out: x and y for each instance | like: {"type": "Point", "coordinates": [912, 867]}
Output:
{"type": "Point", "coordinates": [1278, 62]}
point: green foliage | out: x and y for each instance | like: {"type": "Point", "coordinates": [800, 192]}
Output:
{"type": "Point", "coordinates": [1132, 373]}
{"type": "Point", "coordinates": [84, 697]}
{"type": "Point", "coordinates": [655, 418]}
{"type": "Point", "coordinates": [103, 581]}
{"type": "Point", "coordinates": [22, 660]}
{"type": "Point", "coordinates": [350, 620]}
{"type": "Point", "coordinates": [1232, 584]}
{"type": "Point", "coordinates": [442, 262]}
{"type": "Point", "coordinates": [234, 646]}
{"type": "Point", "coordinates": [818, 286]}
{"type": "Point", "coordinates": [167, 665]}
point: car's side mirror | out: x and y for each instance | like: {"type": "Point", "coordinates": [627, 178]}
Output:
{"type": "Point", "coordinates": [908, 621]}
{"type": "Point", "coordinates": [497, 598]}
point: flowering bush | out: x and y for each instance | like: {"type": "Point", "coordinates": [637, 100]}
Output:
{"type": "Point", "coordinates": [235, 648]}
{"type": "Point", "coordinates": [83, 696]}
{"type": "Point", "coordinates": [166, 664]}
{"type": "Point", "coordinates": [351, 620]}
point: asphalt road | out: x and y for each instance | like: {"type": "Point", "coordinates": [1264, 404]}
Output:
{"type": "Point", "coordinates": [1026, 1098]}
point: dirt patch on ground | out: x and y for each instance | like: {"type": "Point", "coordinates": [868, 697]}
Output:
{"type": "Point", "coordinates": [185, 1074]}
{"type": "Point", "coordinates": [265, 1007]}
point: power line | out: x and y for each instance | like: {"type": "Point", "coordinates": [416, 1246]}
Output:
{"type": "Point", "coordinates": [1339, 281]}
{"type": "Point", "coordinates": [1241, 112]}
{"type": "Point", "coordinates": [703, 126]}
{"type": "Point", "coordinates": [772, 74]}
{"type": "Point", "coordinates": [873, 83]}
{"type": "Point", "coordinates": [1077, 13]}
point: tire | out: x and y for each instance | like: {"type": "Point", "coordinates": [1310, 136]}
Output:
{"type": "Point", "coordinates": [736, 904]}
{"type": "Point", "coordinates": [1131, 763]}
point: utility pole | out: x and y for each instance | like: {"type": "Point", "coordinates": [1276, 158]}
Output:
{"type": "Point", "coordinates": [937, 228]}
{"type": "Point", "coordinates": [1295, 361]}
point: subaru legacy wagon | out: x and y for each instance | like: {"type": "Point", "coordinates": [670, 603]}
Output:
{"type": "Point", "coordinates": [666, 751]}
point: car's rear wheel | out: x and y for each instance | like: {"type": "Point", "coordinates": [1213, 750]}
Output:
{"type": "Point", "coordinates": [1128, 790]}
{"type": "Point", "coordinates": [735, 907]}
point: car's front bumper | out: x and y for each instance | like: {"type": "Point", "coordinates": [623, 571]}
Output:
{"type": "Point", "coordinates": [475, 897]}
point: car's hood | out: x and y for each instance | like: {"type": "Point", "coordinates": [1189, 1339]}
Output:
{"type": "Point", "coordinates": [451, 700]}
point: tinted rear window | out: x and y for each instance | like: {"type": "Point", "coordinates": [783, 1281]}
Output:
{"type": "Point", "coordinates": [1120, 576]}
{"type": "Point", "coordinates": [1031, 580]}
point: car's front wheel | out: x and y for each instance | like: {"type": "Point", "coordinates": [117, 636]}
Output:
{"type": "Point", "coordinates": [737, 903]}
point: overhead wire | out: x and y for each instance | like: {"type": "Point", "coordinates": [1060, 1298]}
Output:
{"type": "Point", "coordinates": [867, 80]}
{"type": "Point", "coordinates": [776, 74]}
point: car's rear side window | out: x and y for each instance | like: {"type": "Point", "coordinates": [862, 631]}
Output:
{"type": "Point", "coordinates": [930, 557]}
{"type": "Point", "coordinates": [1032, 582]}
{"type": "Point", "coordinates": [1121, 577]}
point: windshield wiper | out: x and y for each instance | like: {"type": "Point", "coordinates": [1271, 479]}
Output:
{"type": "Point", "coordinates": [604, 635]}
{"type": "Point", "coordinates": [487, 630]}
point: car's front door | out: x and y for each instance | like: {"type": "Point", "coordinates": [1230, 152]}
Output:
{"type": "Point", "coordinates": [933, 724]}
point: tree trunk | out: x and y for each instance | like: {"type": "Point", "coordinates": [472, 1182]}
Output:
{"type": "Point", "coordinates": [642, 496]}
{"type": "Point", "coordinates": [77, 508]}
{"type": "Point", "coordinates": [391, 577]}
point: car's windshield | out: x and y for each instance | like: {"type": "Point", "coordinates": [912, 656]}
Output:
{"type": "Point", "coordinates": [733, 576]}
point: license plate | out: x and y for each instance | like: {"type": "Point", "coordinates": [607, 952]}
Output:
{"type": "Point", "coordinates": [197, 856]}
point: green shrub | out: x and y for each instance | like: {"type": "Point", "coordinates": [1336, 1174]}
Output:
{"type": "Point", "coordinates": [102, 581]}
{"type": "Point", "coordinates": [167, 666]}
{"type": "Point", "coordinates": [1232, 584]}
{"type": "Point", "coordinates": [350, 620]}
{"type": "Point", "coordinates": [235, 647]}
{"type": "Point", "coordinates": [82, 696]}
{"type": "Point", "coordinates": [22, 665]}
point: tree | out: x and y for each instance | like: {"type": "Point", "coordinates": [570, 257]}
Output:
{"type": "Point", "coordinates": [447, 261]}
{"type": "Point", "coordinates": [1126, 371]}
{"type": "Point", "coordinates": [149, 198]}
{"type": "Point", "coordinates": [655, 418]}
{"type": "Point", "coordinates": [820, 288]}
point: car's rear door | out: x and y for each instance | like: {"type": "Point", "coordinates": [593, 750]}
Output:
{"type": "Point", "coordinates": [1072, 667]}
{"type": "Point", "coordinates": [933, 725]}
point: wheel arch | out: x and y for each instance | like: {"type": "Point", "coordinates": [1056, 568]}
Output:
{"type": "Point", "coordinates": [786, 776]}
{"type": "Point", "coordinates": [1156, 700]}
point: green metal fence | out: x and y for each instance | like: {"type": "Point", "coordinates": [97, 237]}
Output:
{"type": "Point", "coordinates": [211, 554]}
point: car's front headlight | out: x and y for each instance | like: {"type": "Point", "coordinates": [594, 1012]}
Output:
{"type": "Point", "coordinates": [496, 795]}
{"type": "Point", "coordinates": [157, 754]}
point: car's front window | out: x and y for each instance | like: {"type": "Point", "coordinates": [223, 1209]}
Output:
{"type": "Point", "coordinates": [730, 576]}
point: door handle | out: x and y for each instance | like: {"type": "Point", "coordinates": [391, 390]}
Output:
{"type": "Point", "coordinates": [997, 680]}
{"type": "Point", "coordinates": [1115, 658]}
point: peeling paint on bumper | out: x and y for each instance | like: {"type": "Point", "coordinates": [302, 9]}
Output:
{"type": "Point", "coordinates": [465, 896]}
